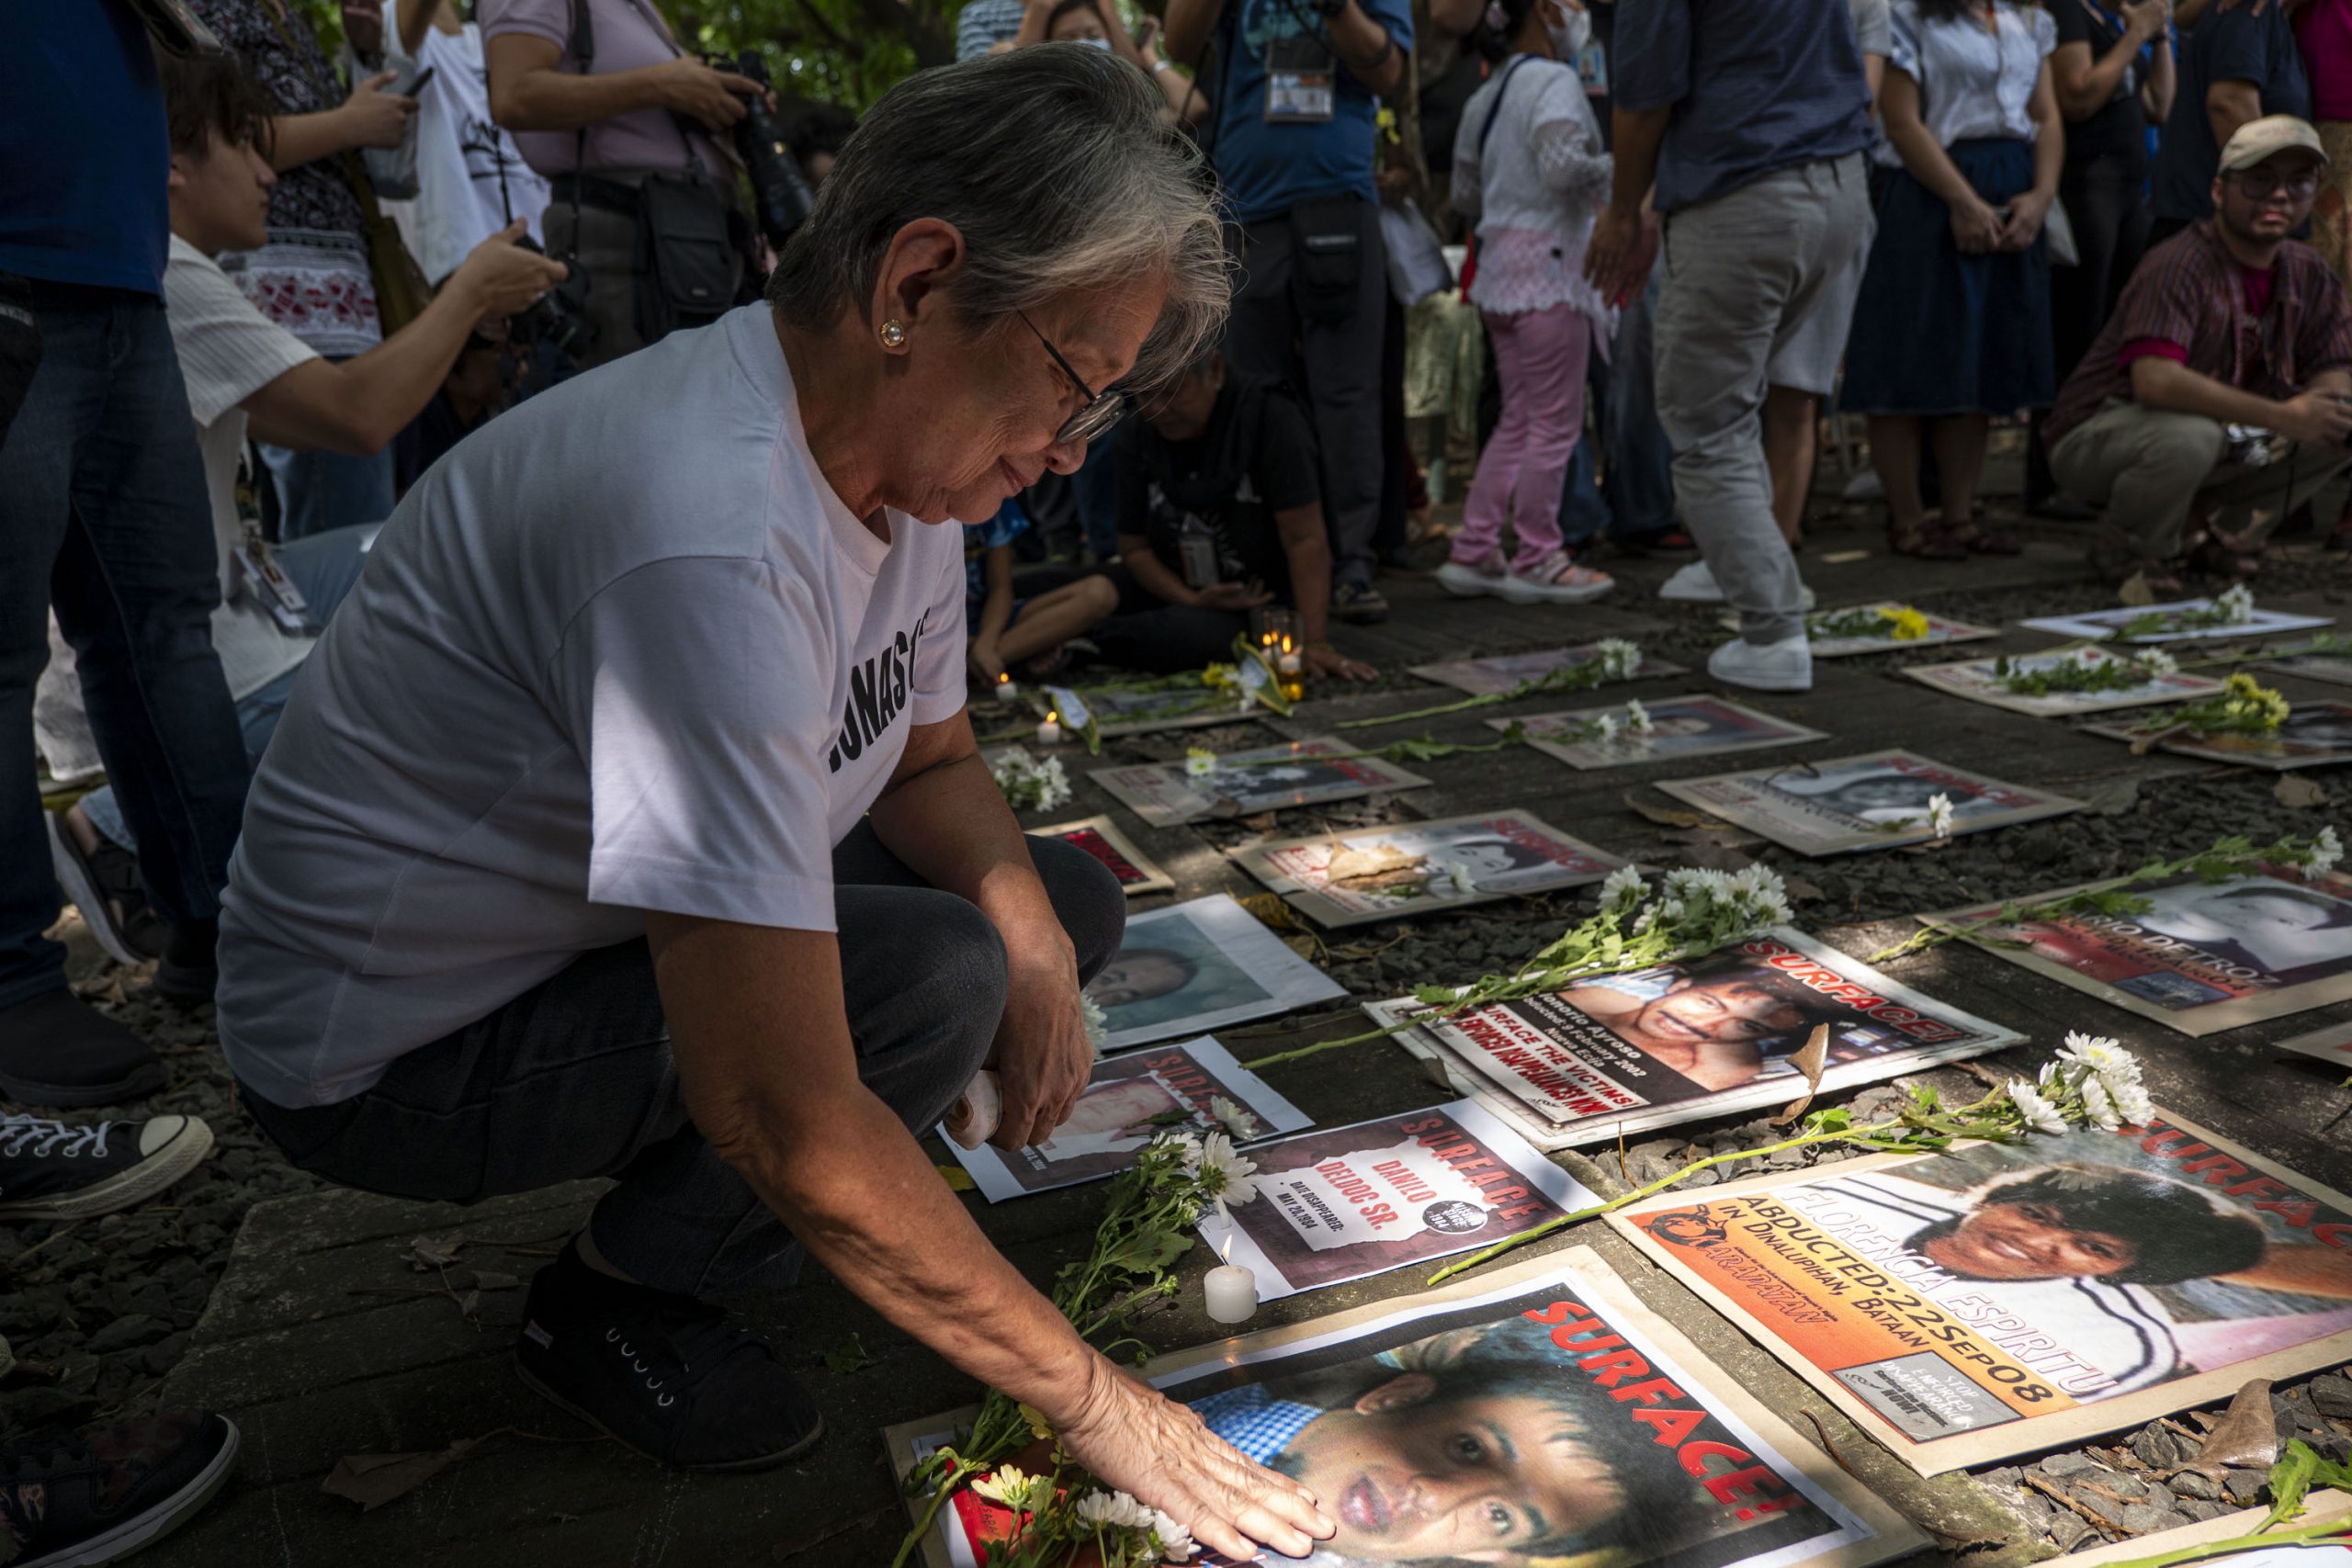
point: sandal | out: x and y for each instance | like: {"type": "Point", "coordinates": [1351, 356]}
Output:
{"type": "Point", "coordinates": [2117, 560]}
{"type": "Point", "coordinates": [2216, 557]}
{"type": "Point", "coordinates": [1927, 539]}
{"type": "Point", "coordinates": [1982, 539]}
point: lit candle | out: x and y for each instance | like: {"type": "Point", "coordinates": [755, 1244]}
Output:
{"type": "Point", "coordinates": [1294, 690]}
{"type": "Point", "coordinates": [1005, 690]}
{"type": "Point", "coordinates": [1232, 1290]}
{"type": "Point", "coordinates": [1291, 664]}
{"type": "Point", "coordinates": [1050, 732]}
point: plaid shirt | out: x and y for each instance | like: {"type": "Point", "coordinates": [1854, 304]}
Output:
{"type": "Point", "coordinates": [1254, 1421]}
{"type": "Point", "coordinates": [2192, 291]}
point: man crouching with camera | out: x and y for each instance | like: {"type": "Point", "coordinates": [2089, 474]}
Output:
{"type": "Point", "coordinates": [601, 100]}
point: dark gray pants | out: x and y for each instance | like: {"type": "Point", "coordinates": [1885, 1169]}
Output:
{"type": "Point", "coordinates": [575, 1077]}
{"type": "Point", "coordinates": [1326, 342]}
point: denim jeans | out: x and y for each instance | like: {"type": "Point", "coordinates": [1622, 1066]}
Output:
{"type": "Point", "coordinates": [575, 1077]}
{"type": "Point", "coordinates": [320, 490]}
{"type": "Point", "coordinates": [103, 515]}
{"type": "Point", "coordinates": [324, 567]}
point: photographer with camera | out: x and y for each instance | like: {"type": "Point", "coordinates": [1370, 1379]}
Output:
{"type": "Point", "coordinates": [623, 122]}
{"type": "Point", "coordinates": [2223, 383]}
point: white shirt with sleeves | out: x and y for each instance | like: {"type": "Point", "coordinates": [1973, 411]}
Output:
{"type": "Point", "coordinates": [1976, 82]}
{"type": "Point", "coordinates": [623, 649]}
{"type": "Point", "coordinates": [1533, 182]}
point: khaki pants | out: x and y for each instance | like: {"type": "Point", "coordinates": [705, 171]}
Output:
{"type": "Point", "coordinates": [2153, 470]}
{"type": "Point", "coordinates": [607, 249]}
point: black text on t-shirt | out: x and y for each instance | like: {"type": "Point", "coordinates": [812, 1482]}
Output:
{"type": "Point", "coordinates": [878, 693]}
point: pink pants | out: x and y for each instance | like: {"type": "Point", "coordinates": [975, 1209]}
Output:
{"type": "Point", "coordinates": [1540, 359]}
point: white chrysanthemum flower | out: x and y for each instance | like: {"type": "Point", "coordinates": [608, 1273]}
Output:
{"type": "Point", "coordinates": [1623, 889]}
{"type": "Point", "coordinates": [2235, 604]}
{"type": "Point", "coordinates": [1637, 717]}
{"type": "Point", "coordinates": [1053, 785]}
{"type": "Point", "coordinates": [2099, 1105]}
{"type": "Point", "coordinates": [2155, 663]}
{"type": "Point", "coordinates": [1184, 1148]}
{"type": "Point", "coordinates": [2101, 1056]}
{"type": "Point", "coordinates": [1199, 763]}
{"type": "Point", "coordinates": [1175, 1541]}
{"type": "Point", "coordinates": [1618, 659]}
{"type": "Point", "coordinates": [2039, 1115]}
{"type": "Point", "coordinates": [2131, 1102]}
{"type": "Point", "coordinates": [1604, 727]}
{"type": "Point", "coordinates": [1008, 1488]}
{"type": "Point", "coordinates": [1940, 814]}
{"type": "Point", "coordinates": [2047, 1078]}
{"type": "Point", "coordinates": [1098, 1028]}
{"type": "Point", "coordinates": [1233, 1119]}
{"type": "Point", "coordinates": [1114, 1509]}
{"type": "Point", "coordinates": [1682, 881]}
{"type": "Point", "coordinates": [1234, 1177]}
{"type": "Point", "coordinates": [2325, 851]}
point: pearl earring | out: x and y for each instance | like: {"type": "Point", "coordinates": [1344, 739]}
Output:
{"type": "Point", "coordinates": [894, 333]}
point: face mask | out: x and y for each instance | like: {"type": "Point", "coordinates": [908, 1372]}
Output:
{"type": "Point", "coordinates": [1100, 43]}
{"type": "Point", "coordinates": [1570, 31]}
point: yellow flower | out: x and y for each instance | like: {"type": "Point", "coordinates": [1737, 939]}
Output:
{"type": "Point", "coordinates": [1908, 624]}
{"type": "Point", "coordinates": [1219, 677]}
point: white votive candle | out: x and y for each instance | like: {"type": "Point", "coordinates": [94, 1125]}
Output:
{"type": "Point", "coordinates": [1006, 689]}
{"type": "Point", "coordinates": [1049, 734]}
{"type": "Point", "coordinates": [1232, 1294]}
{"type": "Point", "coordinates": [1290, 664]}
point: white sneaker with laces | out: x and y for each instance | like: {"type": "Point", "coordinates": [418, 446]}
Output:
{"type": "Point", "coordinates": [1784, 666]}
{"type": "Point", "coordinates": [1555, 581]}
{"type": "Point", "coordinates": [1469, 580]}
{"type": "Point", "coordinates": [1694, 584]}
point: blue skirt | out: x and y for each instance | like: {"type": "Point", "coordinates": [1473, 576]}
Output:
{"type": "Point", "coordinates": [1936, 331]}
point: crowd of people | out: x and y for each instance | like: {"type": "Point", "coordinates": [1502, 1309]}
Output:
{"type": "Point", "coordinates": [386, 608]}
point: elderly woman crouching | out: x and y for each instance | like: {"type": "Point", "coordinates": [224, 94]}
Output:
{"type": "Point", "coordinates": [628, 821]}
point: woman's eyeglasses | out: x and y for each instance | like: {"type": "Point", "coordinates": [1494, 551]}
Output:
{"type": "Point", "coordinates": [1097, 412]}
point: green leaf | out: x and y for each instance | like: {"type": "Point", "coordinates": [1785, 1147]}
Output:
{"type": "Point", "coordinates": [848, 1357]}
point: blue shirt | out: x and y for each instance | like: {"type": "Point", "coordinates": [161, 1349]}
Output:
{"type": "Point", "coordinates": [1756, 85]}
{"type": "Point", "coordinates": [2226, 46]}
{"type": "Point", "coordinates": [83, 153]}
{"type": "Point", "coordinates": [1266, 167]}
{"type": "Point", "coordinates": [1254, 1421]}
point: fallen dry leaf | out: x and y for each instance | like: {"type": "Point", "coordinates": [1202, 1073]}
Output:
{"type": "Point", "coordinates": [2246, 1437]}
{"type": "Point", "coordinates": [1263, 822]}
{"type": "Point", "coordinates": [373, 1480]}
{"type": "Point", "coordinates": [2298, 791]}
{"type": "Point", "coordinates": [434, 1252]}
{"type": "Point", "coordinates": [469, 1307]}
{"type": "Point", "coordinates": [959, 1179]}
{"type": "Point", "coordinates": [1383, 865]}
{"type": "Point", "coordinates": [1665, 816]}
{"type": "Point", "coordinates": [484, 1279]}
{"type": "Point", "coordinates": [2135, 591]}
{"type": "Point", "coordinates": [1810, 1061]}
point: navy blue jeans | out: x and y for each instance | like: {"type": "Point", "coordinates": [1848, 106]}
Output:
{"type": "Point", "coordinates": [575, 1077]}
{"type": "Point", "coordinates": [1639, 500]}
{"type": "Point", "coordinates": [103, 513]}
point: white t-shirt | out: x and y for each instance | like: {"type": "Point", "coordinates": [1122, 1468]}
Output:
{"type": "Point", "coordinates": [229, 350]}
{"type": "Point", "coordinates": [1974, 82]}
{"type": "Point", "coordinates": [459, 151]}
{"type": "Point", "coordinates": [623, 649]}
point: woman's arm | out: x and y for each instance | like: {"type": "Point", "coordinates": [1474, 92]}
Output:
{"type": "Point", "coordinates": [1151, 573]}
{"type": "Point", "coordinates": [2027, 211]}
{"type": "Point", "coordinates": [996, 612]}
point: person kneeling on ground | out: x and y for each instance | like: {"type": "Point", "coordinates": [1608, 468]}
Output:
{"type": "Point", "coordinates": [1002, 628]}
{"type": "Point", "coordinates": [2229, 334]}
{"type": "Point", "coordinates": [1220, 511]}
{"type": "Point", "coordinates": [628, 821]}
{"type": "Point", "coordinates": [246, 374]}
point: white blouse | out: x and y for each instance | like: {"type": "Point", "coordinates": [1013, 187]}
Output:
{"type": "Point", "coordinates": [1975, 81]}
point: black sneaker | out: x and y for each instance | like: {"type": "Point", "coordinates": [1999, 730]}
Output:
{"type": "Point", "coordinates": [58, 1051]}
{"type": "Point", "coordinates": [100, 882]}
{"type": "Point", "coordinates": [665, 1375]}
{"type": "Point", "coordinates": [1359, 603]}
{"type": "Point", "coordinates": [79, 1502]}
{"type": "Point", "coordinates": [188, 971]}
{"type": "Point", "coordinates": [54, 1170]}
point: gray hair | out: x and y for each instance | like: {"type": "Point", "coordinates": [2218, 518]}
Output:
{"type": "Point", "coordinates": [1055, 164]}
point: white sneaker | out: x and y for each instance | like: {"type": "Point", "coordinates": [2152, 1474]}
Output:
{"type": "Point", "coordinates": [1864, 486]}
{"type": "Point", "coordinates": [1692, 584]}
{"type": "Point", "coordinates": [1558, 581]}
{"type": "Point", "coordinates": [1467, 580]}
{"type": "Point", "coordinates": [1784, 666]}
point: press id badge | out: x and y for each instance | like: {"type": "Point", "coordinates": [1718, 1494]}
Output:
{"type": "Point", "coordinates": [259, 574]}
{"type": "Point", "coordinates": [1301, 78]}
{"type": "Point", "coordinates": [1592, 69]}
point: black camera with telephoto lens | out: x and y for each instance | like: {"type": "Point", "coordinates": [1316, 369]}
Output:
{"type": "Point", "coordinates": [780, 194]}
{"type": "Point", "coordinates": [558, 319]}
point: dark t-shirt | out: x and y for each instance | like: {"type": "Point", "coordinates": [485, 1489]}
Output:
{"type": "Point", "coordinates": [1256, 458]}
{"type": "Point", "coordinates": [2118, 129]}
{"type": "Point", "coordinates": [2227, 46]}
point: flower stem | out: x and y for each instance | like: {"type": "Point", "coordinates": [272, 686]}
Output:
{"type": "Point", "coordinates": [1300, 1055]}
{"type": "Point", "coordinates": [964, 1470]}
{"type": "Point", "coordinates": [2335, 1526]}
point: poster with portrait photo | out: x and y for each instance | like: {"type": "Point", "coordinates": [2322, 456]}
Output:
{"type": "Point", "coordinates": [2168, 623]}
{"type": "Point", "coordinates": [1679, 727]}
{"type": "Point", "coordinates": [1128, 1100]}
{"type": "Point", "coordinates": [1349, 879]}
{"type": "Point", "coordinates": [1999, 1299]}
{"type": "Point", "coordinates": [2314, 735]}
{"type": "Point", "coordinates": [1876, 801]}
{"type": "Point", "coordinates": [1145, 709]}
{"type": "Point", "coordinates": [1506, 671]}
{"type": "Point", "coordinates": [1344, 1204]}
{"type": "Point", "coordinates": [2203, 957]}
{"type": "Point", "coordinates": [1197, 966]}
{"type": "Point", "coordinates": [1619, 1055]}
{"type": "Point", "coordinates": [1980, 681]}
{"type": "Point", "coordinates": [1487, 1423]}
{"type": "Point", "coordinates": [1941, 630]}
{"type": "Point", "coordinates": [2330, 1043]}
{"type": "Point", "coordinates": [2325, 1506]}
{"type": "Point", "coordinates": [1100, 837]}
{"type": "Point", "coordinates": [2335, 669]}
{"type": "Point", "coordinates": [1314, 771]}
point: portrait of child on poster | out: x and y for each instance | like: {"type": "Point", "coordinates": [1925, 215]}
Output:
{"type": "Point", "coordinates": [1382, 872]}
{"type": "Point", "coordinates": [2315, 735]}
{"type": "Point", "coordinates": [1504, 672]}
{"type": "Point", "coordinates": [1305, 772]}
{"type": "Point", "coordinates": [1196, 966]}
{"type": "Point", "coordinates": [1982, 681]}
{"type": "Point", "coordinates": [1876, 801]}
{"type": "Point", "coordinates": [1679, 728]}
{"type": "Point", "coordinates": [2203, 957]}
{"type": "Point", "coordinates": [1491, 1424]}
{"type": "Point", "coordinates": [1997, 1298]}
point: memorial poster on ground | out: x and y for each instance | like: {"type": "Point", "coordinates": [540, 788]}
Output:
{"type": "Point", "coordinates": [1344, 1204]}
{"type": "Point", "coordinates": [1196, 966]}
{"type": "Point", "coordinates": [1679, 727]}
{"type": "Point", "coordinates": [1303, 773]}
{"type": "Point", "coordinates": [1980, 681]}
{"type": "Point", "coordinates": [2329, 1043]}
{"type": "Point", "coordinates": [2335, 670]}
{"type": "Point", "coordinates": [1998, 1299]}
{"type": "Point", "coordinates": [1505, 671]}
{"type": "Point", "coordinates": [2315, 735]}
{"type": "Point", "coordinates": [1348, 879]}
{"type": "Point", "coordinates": [1881, 638]}
{"type": "Point", "coordinates": [1101, 837]}
{"type": "Point", "coordinates": [2203, 957]}
{"type": "Point", "coordinates": [1512, 1388]}
{"type": "Point", "coordinates": [1619, 1055]}
{"type": "Point", "coordinates": [1128, 1100]}
{"type": "Point", "coordinates": [2174, 621]}
{"type": "Point", "coordinates": [1875, 801]}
